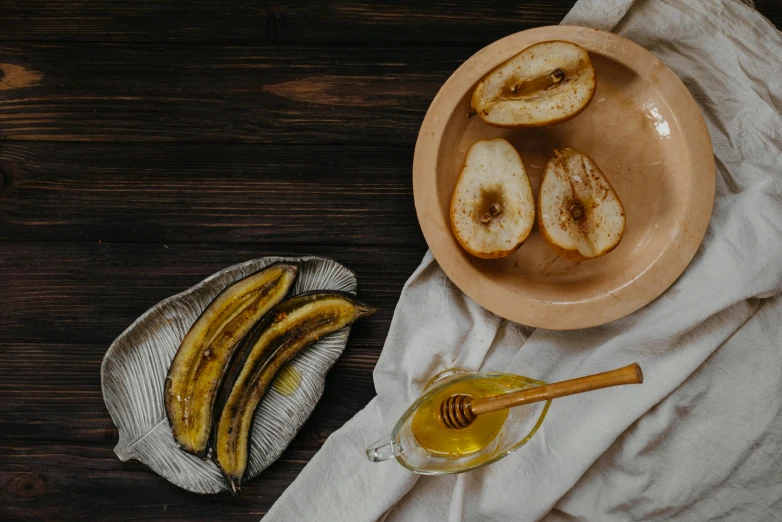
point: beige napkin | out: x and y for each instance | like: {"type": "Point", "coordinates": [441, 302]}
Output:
{"type": "Point", "coordinates": [700, 440]}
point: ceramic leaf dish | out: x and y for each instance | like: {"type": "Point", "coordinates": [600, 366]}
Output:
{"type": "Point", "coordinates": [135, 366]}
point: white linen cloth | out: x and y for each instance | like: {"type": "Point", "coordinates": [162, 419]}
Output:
{"type": "Point", "coordinates": [701, 439]}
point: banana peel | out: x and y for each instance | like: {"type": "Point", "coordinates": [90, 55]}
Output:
{"type": "Point", "coordinates": [204, 356]}
{"type": "Point", "coordinates": [291, 327]}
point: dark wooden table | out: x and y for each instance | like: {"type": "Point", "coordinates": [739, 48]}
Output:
{"type": "Point", "coordinates": [145, 145]}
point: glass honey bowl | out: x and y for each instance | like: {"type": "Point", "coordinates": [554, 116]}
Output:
{"type": "Point", "coordinates": [423, 444]}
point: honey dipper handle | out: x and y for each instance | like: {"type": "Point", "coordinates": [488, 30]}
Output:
{"type": "Point", "coordinates": [628, 375]}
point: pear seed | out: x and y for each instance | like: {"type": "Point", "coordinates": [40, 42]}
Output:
{"type": "Point", "coordinates": [577, 211]}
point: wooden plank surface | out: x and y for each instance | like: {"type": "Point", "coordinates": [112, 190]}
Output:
{"type": "Point", "coordinates": [65, 302]}
{"type": "Point", "coordinates": [215, 193]}
{"type": "Point", "coordinates": [332, 22]}
{"type": "Point", "coordinates": [51, 392]}
{"type": "Point", "coordinates": [207, 93]}
{"type": "Point", "coordinates": [91, 292]}
{"type": "Point", "coordinates": [62, 481]}
{"type": "Point", "coordinates": [146, 145]}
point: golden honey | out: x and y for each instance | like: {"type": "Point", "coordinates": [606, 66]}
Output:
{"type": "Point", "coordinates": [432, 435]}
{"type": "Point", "coordinates": [287, 380]}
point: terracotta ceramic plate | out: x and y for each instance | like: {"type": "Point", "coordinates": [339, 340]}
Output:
{"type": "Point", "coordinates": [649, 138]}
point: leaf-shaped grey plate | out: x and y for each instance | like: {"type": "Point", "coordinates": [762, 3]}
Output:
{"type": "Point", "coordinates": [135, 366]}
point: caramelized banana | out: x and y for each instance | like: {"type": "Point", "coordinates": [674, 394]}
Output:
{"type": "Point", "coordinates": [292, 326]}
{"type": "Point", "coordinates": [204, 357]}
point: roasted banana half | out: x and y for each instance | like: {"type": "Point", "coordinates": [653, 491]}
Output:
{"type": "Point", "coordinates": [292, 326]}
{"type": "Point", "coordinates": [204, 357]}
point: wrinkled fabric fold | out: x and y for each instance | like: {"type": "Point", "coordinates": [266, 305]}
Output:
{"type": "Point", "coordinates": [700, 438]}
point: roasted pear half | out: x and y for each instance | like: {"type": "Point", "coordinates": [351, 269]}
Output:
{"type": "Point", "coordinates": [546, 83]}
{"type": "Point", "coordinates": [492, 208]}
{"type": "Point", "coordinates": [204, 356]}
{"type": "Point", "coordinates": [291, 327]}
{"type": "Point", "coordinates": [579, 214]}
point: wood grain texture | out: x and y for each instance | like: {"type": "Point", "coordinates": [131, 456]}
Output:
{"type": "Point", "coordinates": [51, 392]}
{"type": "Point", "coordinates": [334, 22]}
{"type": "Point", "coordinates": [90, 292]}
{"type": "Point", "coordinates": [204, 93]}
{"type": "Point", "coordinates": [297, 22]}
{"type": "Point", "coordinates": [61, 481]}
{"type": "Point", "coordinates": [215, 193]}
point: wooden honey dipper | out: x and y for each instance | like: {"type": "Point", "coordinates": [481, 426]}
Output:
{"type": "Point", "coordinates": [459, 411]}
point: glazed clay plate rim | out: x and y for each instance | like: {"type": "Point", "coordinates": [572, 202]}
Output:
{"type": "Point", "coordinates": [638, 290]}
